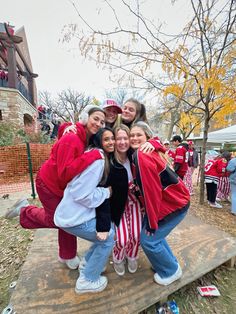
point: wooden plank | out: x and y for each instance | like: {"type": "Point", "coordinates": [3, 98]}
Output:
{"type": "Point", "coordinates": [46, 286]}
{"type": "Point", "coordinates": [14, 38]}
{"type": "Point", "coordinates": [230, 263]}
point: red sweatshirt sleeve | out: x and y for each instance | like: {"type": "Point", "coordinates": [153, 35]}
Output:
{"type": "Point", "coordinates": [221, 167]}
{"type": "Point", "coordinates": [152, 189]}
{"type": "Point", "coordinates": [155, 141]}
{"type": "Point", "coordinates": [179, 155]}
{"type": "Point", "coordinates": [71, 160]}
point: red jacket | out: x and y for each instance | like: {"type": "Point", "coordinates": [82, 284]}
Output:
{"type": "Point", "coordinates": [163, 191]}
{"type": "Point", "coordinates": [67, 159]}
{"type": "Point", "coordinates": [171, 154]}
{"type": "Point", "coordinates": [214, 169]}
{"type": "Point", "coordinates": [181, 157]}
{"type": "Point", "coordinates": [157, 144]}
{"type": "Point", "coordinates": [40, 109]}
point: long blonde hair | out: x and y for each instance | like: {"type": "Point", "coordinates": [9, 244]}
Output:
{"type": "Point", "coordinates": [145, 127]}
{"type": "Point", "coordinates": [124, 128]}
{"type": "Point", "coordinates": [149, 134]}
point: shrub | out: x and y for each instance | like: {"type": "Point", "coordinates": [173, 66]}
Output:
{"type": "Point", "coordinates": [12, 134]}
{"type": "Point", "coordinates": [7, 133]}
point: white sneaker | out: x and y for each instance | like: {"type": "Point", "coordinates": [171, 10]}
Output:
{"type": "Point", "coordinates": [119, 268]}
{"type": "Point", "coordinates": [83, 263]}
{"type": "Point", "coordinates": [72, 263]}
{"type": "Point", "coordinates": [216, 205]}
{"type": "Point", "coordinates": [84, 286]}
{"type": "Point", "coordinates": [169, 280]}
{"type": "Point", "coordinates": [16, 208]}
{"type": "Point", "coordinates": [218, 199]}
{"type": "Point", "coordinates": [229, 199]}
{"type": "Point", "coordinates": [132, 265]}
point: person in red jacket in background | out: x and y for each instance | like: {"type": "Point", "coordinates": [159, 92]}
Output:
{"type": "Point", "coordinates": [67, 159]}
{"type": "Point", "coordinates": [41, 112]}
{"type": "Point", "coordinates": [181, 156]}
{"type": "Point", "coordinates": [214, 169]}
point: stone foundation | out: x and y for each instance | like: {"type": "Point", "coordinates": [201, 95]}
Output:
{"type": "Point", "coordinates": [16, 108]}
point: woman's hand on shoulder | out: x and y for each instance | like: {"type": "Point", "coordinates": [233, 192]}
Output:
{"type": "Point", "coordinates": [110, 190]}
{"type": "Point", "coordinates": [71, 128]}
{"type": "Point", "coordinates": [147, 148]}
{"type": "Point", "coordinates": [102, 236]}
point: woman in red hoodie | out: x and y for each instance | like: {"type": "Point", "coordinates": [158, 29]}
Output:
{"type": "Point", "coordinates": [165, 200]}
{"type": "Point", "coordinates": [67, 159]}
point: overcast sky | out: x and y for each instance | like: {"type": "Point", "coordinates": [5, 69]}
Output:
{"type": "Point", "coordinates": [57, 66]}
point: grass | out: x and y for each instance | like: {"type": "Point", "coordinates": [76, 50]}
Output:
{"type": "Point", "coordinates": [14, 245]}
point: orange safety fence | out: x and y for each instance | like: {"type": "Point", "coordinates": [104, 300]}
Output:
{"type": "Point", "coordinates": [14, 167]}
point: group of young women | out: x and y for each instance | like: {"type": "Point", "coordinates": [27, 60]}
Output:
{"type": "Point", "coordinates": [100, 182]}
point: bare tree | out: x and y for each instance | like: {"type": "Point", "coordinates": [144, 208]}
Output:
{"type": "Point", "coordinates": [67, 104]}
{"type": "Point", "coordinates": [199, 63]}
{"type": "Point", "coordinates": [122, 94]}
{"type": "Point", "coordinates": [70, 103]}
{"type": "Point", "coordinates": [46, 99]}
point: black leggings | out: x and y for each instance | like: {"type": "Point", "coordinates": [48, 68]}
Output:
{"type": "Point", "coordinates": [211, 192]}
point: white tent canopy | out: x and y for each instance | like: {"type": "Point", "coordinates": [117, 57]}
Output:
{"type": "Point", "coordinates": [226, 135]}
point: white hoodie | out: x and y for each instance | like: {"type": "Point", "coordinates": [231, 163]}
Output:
{"type": "Point", "coordinates": [81, 197]}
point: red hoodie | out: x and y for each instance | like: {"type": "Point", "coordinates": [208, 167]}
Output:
{"type": "Point", "coordinates": [163, 191]}
{"type": "Point", "coordinates": [67, 159]}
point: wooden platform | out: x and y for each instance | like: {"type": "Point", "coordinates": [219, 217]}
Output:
{"type": "Point", "coordinates": [45, 286]}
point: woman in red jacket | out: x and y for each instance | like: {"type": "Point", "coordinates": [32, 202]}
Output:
{"type": "Point", "coordinates": [165, 200]}
{"type": "Point", "coordinates": [67, 159]}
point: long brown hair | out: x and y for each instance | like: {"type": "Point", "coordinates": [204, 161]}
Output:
{"type": "Point", "coordinates": [97, 142]}
{"type": "Point", "coordinates": [140, 113]}
{"type": "Point", "coordinates": [140, 110]}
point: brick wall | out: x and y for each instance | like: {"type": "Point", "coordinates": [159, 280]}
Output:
{"type": "Point", "coordinates": [14, 161]}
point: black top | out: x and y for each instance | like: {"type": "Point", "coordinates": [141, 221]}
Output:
{"type": "Point", "coordinates": [112, 209]}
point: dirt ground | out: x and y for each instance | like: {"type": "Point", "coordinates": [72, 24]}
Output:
{"type": "Point", "coordinates": [15, 242]}
{"type": "Point", "coordinates": [224, 278]}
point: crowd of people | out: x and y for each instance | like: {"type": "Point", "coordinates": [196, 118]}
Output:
{"type": "Point", "coordinates": [49, 122]}
{"type": "Point", "coordinates": [110, 181]}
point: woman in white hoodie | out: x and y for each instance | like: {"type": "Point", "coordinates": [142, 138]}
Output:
{"type": "Point", "coordinates": [76, 214]}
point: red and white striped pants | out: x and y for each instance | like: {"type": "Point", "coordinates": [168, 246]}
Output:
{"type": "Point", "coordinates": [223, 188]}
{"type": "Point", "coordinates": [188, 180]}
{"type": "Point", "coordinates": [128, 232]}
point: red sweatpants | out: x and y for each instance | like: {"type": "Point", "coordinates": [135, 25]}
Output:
{"type": "Point", "coordinates": [32, 217]}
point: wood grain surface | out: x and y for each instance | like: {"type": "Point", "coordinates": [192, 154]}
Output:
{"type": "Point", "coordinates": [45, 286]}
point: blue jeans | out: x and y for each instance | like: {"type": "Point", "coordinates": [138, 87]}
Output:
{"type": "Point", "coordinates": [233, 198]}
{"type": "Point", "coordinates": [156, 247]}
{"type": "Point", "coordinates": [97, 255]}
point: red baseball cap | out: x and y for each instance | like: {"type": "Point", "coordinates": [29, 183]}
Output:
{"type": "Point", "coordinates": [190, 142]}
{"type": "Point", "coordinates": [111, 103]}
